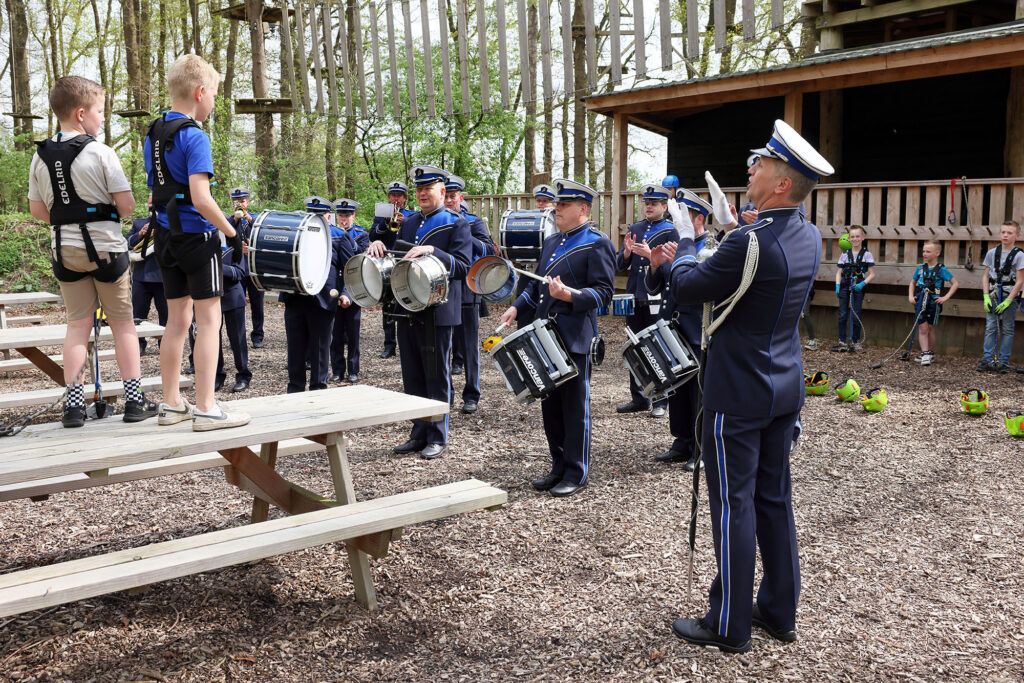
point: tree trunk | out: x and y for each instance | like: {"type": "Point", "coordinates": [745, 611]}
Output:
{"type": "Point", "coordinates": [143, 28]}
{"type": "Point", "coordinates": [349, 148]}
{"type": "Point", "coordinates": [530, 98]}
{"type": "Point", "coordinates": [186, 39]}
{"type": "Point", "coordinates": [52, 25]}
{"type": "Point", "coordinates": [565, 136]}
{"type": "Point", "coordinates": [264, 122]}
{"type": "Point", "coordinates": [161, 55]}
{"type": "Point", "coordinates": [193, 8]}
{"type": "Point", "coordinates": [21, 98]}
{"type": "Point", "coordinates": [101, 39]}
{"type": "Point", "coordinates": [579, 51]}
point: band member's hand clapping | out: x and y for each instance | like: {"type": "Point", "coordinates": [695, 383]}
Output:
{"type": "Point", "coordinates": [627, 245]}
{"type": "Point", "coordinates": [641, 249]}
{"type": "Point", "coordinates": [663, 253]}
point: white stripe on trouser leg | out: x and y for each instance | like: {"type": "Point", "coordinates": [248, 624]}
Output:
{"type": "Point", "coordinates": [586, 423]}
{"type": "Point", "coordinates": [723, 522]}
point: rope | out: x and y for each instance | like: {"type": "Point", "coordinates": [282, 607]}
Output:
{"type": "Point", "coordinates": [913, 327]}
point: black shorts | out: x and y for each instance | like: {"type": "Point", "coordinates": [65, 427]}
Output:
{"type": "Point", "coordinates": [931, 312]}
{"type": "Point", "coordinates": [190, 264]}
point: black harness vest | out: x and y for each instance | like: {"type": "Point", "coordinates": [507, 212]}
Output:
{"type": "Point", "coordinates": [855, 270]}
{"type": "Point", "coordinates": [1002, 273]}
{"type": "Point", "coordinates": [69, 208]}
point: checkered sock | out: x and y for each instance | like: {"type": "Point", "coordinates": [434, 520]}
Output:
{"type": "Point", "coordinates": [76, 396]}
{"type": "Point", "coordinates": [133, 390]}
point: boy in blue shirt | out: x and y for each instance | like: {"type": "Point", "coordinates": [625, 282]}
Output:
{"type": "Point", "coordinates": [179, 166]}
{"type": "Point", "coordinates": [925, 289]}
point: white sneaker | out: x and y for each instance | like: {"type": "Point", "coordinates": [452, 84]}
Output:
{"type": "Point", "coordinates": [172, 415]}
{"type": "Point", "coordinates": [858, 347]}
{"type": "Point", "coordinates": [811, 345]}
{"type": "Point", "coordinates": [926, 358]}
{"type": "Point", "coordinates": [222, 419]}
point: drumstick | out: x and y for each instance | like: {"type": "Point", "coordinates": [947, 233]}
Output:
{"type": "Point", "coordinates": [544, 278]}
{"type": "Point", "coordinates": [500, 328]}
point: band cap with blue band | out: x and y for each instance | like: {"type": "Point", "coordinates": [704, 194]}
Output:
{"type": "Point", "coordinates": [571, 191]}
{"type": "Point", "coordinates": [792, 149]}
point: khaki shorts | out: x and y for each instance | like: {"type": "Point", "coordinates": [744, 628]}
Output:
{"type": "Point", "coordinates": [84, 296]}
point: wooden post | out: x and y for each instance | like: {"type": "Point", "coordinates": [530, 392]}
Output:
{"type": "Point", "coordinates": [463, 20]}
{"type": "Point", "coordinates": [1013, 155]}
{"type": "Point", "coordinates": [567, 68]}
{"type": "Point", "coordinates": [346, 70]}
{"type": "Point", "coordinates": [260, 507]}
{"type": "Point", "coordinates": [446, 65]}
{"type": "Point", "coordinates": [378, 80]}
{"type": "Point", "coordinates": [620, 166]}
{"type": "Point", "coordinates": [590, 39]}
{"type": "Point", "coordinates": [831, 130]}
{"type": "Point", "coordinates": [396, 107]}
{"type": "Point", "coordinates": [665, 23]}
{"type": "Point", "coordinates": [778, 13]}
{"type": "Point", "coordinates": [345, 493]}
{"type": "Point", "coordinates": [749, 27]}
{"type": "Point", "coordinates": [357, 29]}
{"type": "Point", "coordinates": [300, 36]}
{"type": "Point", "coordinates": [544, 8]}
{"type": "Point", "coordinates": [794, 110]}
{"type": "Point", "coordinates": [264, 122]}
{"type": "Point", "coordinates": [692, 29]}
{"type": "Point", "coordinates": [485, 72]}
{"type": "Point", "coordinates": [614, 40]}
{"type": "Point", "coordinates": [286, 51]}
{"type": "Point", "coordinates": [524, 62]}
{"type": "Point", "coordinates": [410, 61]}
{"type": "Point", "coordinates": [502, 55]}
{"type": "Point", "coordinates": [332, 71]}
{"type": "Point", "coordinates": [719, 14]}
{"type": "Point", "coordinates": [428, 58]}
{"type": "Point", "coordinates": [315, 51]}
{"type": "Point", "coordinates": [639, 38]}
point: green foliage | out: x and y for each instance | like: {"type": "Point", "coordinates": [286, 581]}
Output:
{"type": "Point", "coordinates": [14, 164]}
{"type": "Point", "coordinates": [24, 254]}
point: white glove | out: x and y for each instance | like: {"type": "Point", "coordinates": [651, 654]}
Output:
{"type": "Point", "coordinates": [680, 219]}
{"type": "Point", "coordinates": [719, 205]}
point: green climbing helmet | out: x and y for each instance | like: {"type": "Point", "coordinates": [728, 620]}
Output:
{"type": "Point", "coordinates": [849, 391]}
{"type": "Point", "coordinates": [1015, 423]}
{"type": "Point", "coordinates": [974, 401]}
{"type": "Point", "coordinates": [875, 401]}
{"type": "Point", "coordinates": [844, 242]}
{"type": "Point", "coordinates": [816, 384]}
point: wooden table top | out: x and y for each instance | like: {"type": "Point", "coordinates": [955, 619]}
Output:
{"type": "Point", "coordinates": [50, 450]}
{"type": "Point", "coordinates": [53, 335]}
{"type": "Point", "coordinates": [18, 298]}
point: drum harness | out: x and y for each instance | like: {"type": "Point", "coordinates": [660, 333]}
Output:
{"type": "Point", "coordinates": [708, 327]}
{"type": "Point", "coordinates": [69, 208]}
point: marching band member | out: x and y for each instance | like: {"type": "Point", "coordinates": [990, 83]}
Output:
{"type": "Point", "coordinates": [543, 197]}
{"type": "Point", "coordinates": [584, 259]}
{"type": "Point", "coordinates": [683, 405]}
{"type": "Point", "coordinates": [398, 195]}
{"type": "Point", "coordinates": [308, 319]}
{"type": "Point", "coordinates": [242, 221]}
{"type": "Point", "coordinates": [147, 284]}
{"type": "Point", "coordinates": [753, 389]}
{"type": "Point", "coordinates": [466, 340]}
{"type": "Point", "coordinates": [348, 317]}
{"type": "Point", "coordinates": [634, 256]}
{"type": "Point", "coordinates": [425, 337]}
{"type": "Point", "coordinates": [232, 310]}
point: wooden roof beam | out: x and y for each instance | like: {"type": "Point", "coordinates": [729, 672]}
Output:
{"type": "Point", "coordinates": [882, 11]}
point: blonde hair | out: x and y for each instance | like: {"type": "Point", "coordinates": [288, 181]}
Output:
{"type": "Point", "coordinates": [935, 243]}
{"type": "Point", "coordinates": [188, 73]}
{"type": "Point", "coordinates": [71, 92]}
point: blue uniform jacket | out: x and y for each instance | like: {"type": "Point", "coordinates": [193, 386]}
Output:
{"type": "Point", "coordinates": [342, 249]}
{"type": "Point", "coordinates": [754, 367]}
{"type": "Point", "coordinates": [148, 270]}
{"type": "Point", "coordinates": [448, 233]}
{"type": "Point", "coordinates": [359, 237]}
{"type": "Point", "coordinates": [657, 232]}
{"type": "Point", "coordinates": [379, 227]}
{"type": "Point", "coordinates": [688, 317]}
{"type": "Point", "coordinates": [234, 277]}
{"type": "Point", "coordinates": [585, 260]}
{"type": "Point", "coordinates": [483, 245]}
{"type": "Point", "coordinates": [246, 224]}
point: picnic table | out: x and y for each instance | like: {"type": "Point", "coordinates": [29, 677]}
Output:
{"type": "Point", "coordinates": [21, 299]}
{"type": "Point", "coordinates": [28, 340]}
{"type": "Point", "coordinates": [367, 527]}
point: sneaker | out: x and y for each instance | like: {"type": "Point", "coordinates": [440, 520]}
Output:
{"type": "Point", "coordinates": [984, 366]}
{"type": "Point", "coordinates": [206, 422]}
{"type": "Point", "coordinates": [1002, 368]}
{"type": "Point", "coordinates": [137, 411]}
{"type": "Point", "coordinates": [905, 356]}
{"type": "Point", "coordinates": [811, 345]}
{"type": "Point", "coordinates": [73, 417]}
{"type": "Point", "coordinates": [172, 415]}
{"type": "Point", "coordinates": [858, 347]}
{"type": "Point", "coordinates": [841, 347]}
{"type": "Point", "coordinates": [927, 357]}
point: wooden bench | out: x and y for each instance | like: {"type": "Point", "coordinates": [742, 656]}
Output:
{"type": "Point", "coordinates": [23, 299]}
{"type": "Point", "coordinates": [98, 450]}
{"type": "Point", "coordinates": [79, 579]}
{"type": "Point", "coordinates": [109, 390]}
{"type": "Point", "coordinates": [25, 320]}
{"type": "Point", "coordinates": [17, 364]}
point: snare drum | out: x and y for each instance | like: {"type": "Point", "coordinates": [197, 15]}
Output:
{"type": "Point", "coordinates": [290, 252]}
{"type": "Point", "coordinates": [420, 283]}
{"type": "Point", "coordinates": [521, 233]}
{"type": "Point", "coordinates": [622, 304]}
{"type": "Point", "coordinates": [659, 359]}
{"type": "Point", "coordinates": [368, 279]}
{"type": "Point", "coordinates": [534, 360]}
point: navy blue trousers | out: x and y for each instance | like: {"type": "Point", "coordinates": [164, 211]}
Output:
{"type": "Point", "coordinates": [307, 329]}
{"type": "Point", "coordinates": [256, 306]}
{"type": "Point", "coordinates": [682, 417]}
{"type": "Point", "coordinates": [346, 338]}
{"type": "Point", "coordinates": [412, 343]}
{"type": "Point", "coordinates": [566, 413]}
{"type": "Point", "coordinates": [844, 314]}
{"type": "Point", "coordinates": [746, 464]}
{"type": "Point", "coordinates": [144, 294]}
{"type": "Point", "coordinates": [390, 338]}
{"type": "Point", "coordinates": [233, 322]}
{"type": "Point", "coordinates": [466, 351]}
{"type": "Point", "coordinates": [641, 318]}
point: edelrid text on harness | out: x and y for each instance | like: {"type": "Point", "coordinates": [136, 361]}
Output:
{"type": "Point", "coordinates": [167, 191]}
{"type": "Point", "coordinates": [69, 208]}
{"type": "Point", "coordinates": [855, 270]}
{"type": "Point", "coordinates": [1003, 274]}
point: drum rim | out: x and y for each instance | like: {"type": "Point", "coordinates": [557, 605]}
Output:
{"type": "Point", "coordinates": [445, 288]}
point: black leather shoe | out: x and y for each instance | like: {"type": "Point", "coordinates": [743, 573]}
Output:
{"type": "Point", "coordinates": [546, 483]}
{"type": "Point", "coordinates": [410, 446]}
{"type": "Point", "coordinates": [781, 634]}
{"type": "Point", "coordinates": [458, 369]}
{"type": "Point", "coordinates": [632, 407]}
{"type": "Point", "coordinates": [387, 353]}
{"type": "Point", "coordinates": [73, 417]}
{"type": "Point", "coordinates": [240, 386]}
{"type": "Point", "coordinates": [217, 384]}
{"type": "Point", "coordinates": [691, 463]}
{"type": "Point", "coordinates": [334, 378]}
{"type": "Point", "coordinates": [469, 407]}
{"type": "Point", "coordinates": [695, 631]}
{"type": "Point", "coordinates": [433, 450]}
{"type": "Point", "coordinates": [257, 345]}
{"type": "Point", "coordinates": [658, 411]}
{"type": "Point", "coordinates": [353, 378]}
{"type": "Point", "coordinates": [564, 489]}
{"type": "Point", "coordinates": [671, 456]}
{"type": "Point", "coordinates": [137, 411]}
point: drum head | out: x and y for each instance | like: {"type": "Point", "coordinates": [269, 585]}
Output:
{"type": "Point", "coordinates": [314, 257]}
{"type": "Point", "coordinates": [365, 280]}
{"type": "Point", "coordinates": [489, 274]}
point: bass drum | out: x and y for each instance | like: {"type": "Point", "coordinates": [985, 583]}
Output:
{"type": "Point", "coordinates": [368, 279]}
{"type": "Point", "coordinates": [290, 252]}
{"type": "Point", "coordinates": [534, 360]}
{"type": "Point", "coordinates": [521, 233]}
{"type": "Point", "coordinates": [420, 283]}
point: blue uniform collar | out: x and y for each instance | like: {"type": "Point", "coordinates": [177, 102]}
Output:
{"type": "Point", "coordinates": [434, 212]}
{"type": "Point", "coordinates": [577, 237]}
{"type": "Point", "coordinates": [656, 226]}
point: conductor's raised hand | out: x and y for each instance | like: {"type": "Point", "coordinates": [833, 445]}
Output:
{"type": "Point", "coordinates": [724, 213]}
{"type": "Point", "coordinates": [376, 249]}
{"type": "Point", "coordinates": [681, 220]}
{"type": "Point", "coordinates": [509, 315]}
{"type": "Point", "coordinates": [663, 253]}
